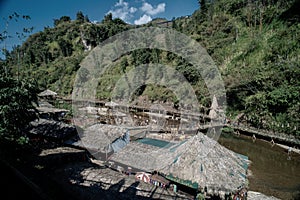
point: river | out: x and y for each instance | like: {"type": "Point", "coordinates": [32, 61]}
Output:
{"type": "Point", "coordinates": [272, 171]}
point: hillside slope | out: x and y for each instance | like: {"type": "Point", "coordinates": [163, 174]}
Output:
{"type": "Point", "coordinates": [255, 44]}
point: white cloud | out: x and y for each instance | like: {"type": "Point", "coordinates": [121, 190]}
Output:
{"type": "Point", "coordinates": [126, 12]}
{"type": "Point", "coordinates": [150, 10]}
{"type": "Point", "coordinates": [122, 10]}
{"type": "Point", "coordinates": [143, 20]}
{"type": "Point", "coordinates": [121, 3]}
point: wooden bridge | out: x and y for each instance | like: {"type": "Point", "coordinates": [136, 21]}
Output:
{"type": "Point", "coordinates": [205, 119]}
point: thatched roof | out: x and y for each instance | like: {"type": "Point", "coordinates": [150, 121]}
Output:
{"type": "Point", "coordinates": [51, 129]}
{"type": "Point", "coordinates": [51, 110]}
{"type": "Point", "coordinates": [199, 159]}
{"type": "Point", "coordinates": [98, 136]}
{"type": "Point", "coordinates": [140, 156]}
{"type": "Point", "coordinates": [47, 93]}
{"type": "Point", "coordinates": [206, 162]}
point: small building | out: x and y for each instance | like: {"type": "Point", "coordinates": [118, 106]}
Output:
{"type": "Point", "coordinates": [48, 111]}
{"type": "Point", "coordinates": [198, 162]}
{"type": "Point", "coordinates": [48, 94]}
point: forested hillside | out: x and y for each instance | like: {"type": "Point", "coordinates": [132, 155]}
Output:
{"type": "Point", "coordinates": [255, 44]}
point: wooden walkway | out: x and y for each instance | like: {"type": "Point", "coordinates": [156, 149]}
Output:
{"type": "Point", "coordinates": [239, 129]}
{"type": "Point", "coordinates": [267, 135]}
{"type": "Point", "coordinates": [259, 133]}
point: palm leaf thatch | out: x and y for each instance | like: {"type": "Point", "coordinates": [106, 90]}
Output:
{"type": "Point", "coordinates": [211, 165]}
{"type": "Point", "coordinates": [98, 136]}
{"type": "Point", "coordinates": [199, 159]}
{"type": "Point", "coordinates": [47, 93]}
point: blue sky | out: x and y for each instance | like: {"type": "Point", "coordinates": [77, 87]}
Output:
{"type": "Point", "coordinates": [43, 13]}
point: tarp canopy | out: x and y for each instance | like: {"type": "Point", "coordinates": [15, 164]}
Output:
{"type": "Point", "coordinates": [120, 143]}
{"type": "Point", "coordinates": [143, 176]}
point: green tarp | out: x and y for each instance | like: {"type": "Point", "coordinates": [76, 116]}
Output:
{"type": "Point", "coordinates": [155, 142]}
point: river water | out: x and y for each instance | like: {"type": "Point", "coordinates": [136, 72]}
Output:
{"type": "Point", "coordinates": [272, 171]}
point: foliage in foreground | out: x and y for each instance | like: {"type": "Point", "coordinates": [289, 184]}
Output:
{"type": "Point", "coordinates": [17, 107]}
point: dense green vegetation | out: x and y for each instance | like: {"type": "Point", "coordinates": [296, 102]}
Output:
{"type": "Point", "coordinates": [18, 99]}
{"type": "Point", "coordinates": [255, 44]}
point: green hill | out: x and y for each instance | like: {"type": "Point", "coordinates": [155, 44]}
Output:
{"type": "Point", "coordinates": [255, 44]}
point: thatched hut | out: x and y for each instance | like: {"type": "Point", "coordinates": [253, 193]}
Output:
{"type": "Point", "coordinates": [47, 94]}
{"type": "Point", "coordinates": [47, 111]}
{"type": "Point", "coordinates": [207, 163]}
{"type": "Point", "coordinates": [197, 162]}
{"type": "Point", "coordinates": [98, 137]}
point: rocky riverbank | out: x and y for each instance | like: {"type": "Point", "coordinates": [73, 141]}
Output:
{"type": "Point", "coordinates": [259, 196]}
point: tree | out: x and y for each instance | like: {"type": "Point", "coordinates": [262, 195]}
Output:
{"type": "Point", "coordinates": [17, 99]}
{"type": "Point", "coordinates": [4, 35]}
{"type": "Point", "coordinates": [119, 21]}
{"type": "Point", "coordinates": [65, 46]}
{"type": "Point", "coordinates": [86, 19]}
{"type": "Point", "coordinates": [124, 64]}
{"type": "Point", "coordinates": [107, 18]}
{"type": "Point", "coordinates": [174, 25]}
{"type": "Point", "coordinates": [61, 20]}
{"type": "Point", "coordinates": [203, 6]}
{"type": "Point", "coordinates": [80, 17]}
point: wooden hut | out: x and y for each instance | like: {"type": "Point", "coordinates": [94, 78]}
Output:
{"type": "Point", "coordinates": [48, 94]}
{"type": "Point", "coordinates": [197, 162]}
{"type": "Point", "coordinates": [97, 138]}
{"type": "Point", "coordinates": [203, 161]}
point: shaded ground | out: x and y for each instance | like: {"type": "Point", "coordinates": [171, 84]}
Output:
{"type": "Point", "coordinates": [64, 173]}
{"type": "Point", "coordinates": [13, 185]}
{"type": "Point", "coordinates": [90, 181]}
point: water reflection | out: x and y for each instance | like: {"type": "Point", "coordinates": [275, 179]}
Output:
{"type": "Point", "coordinates": [274, 170]}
